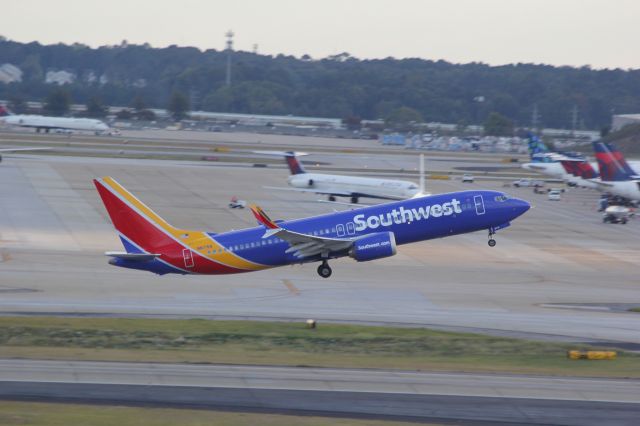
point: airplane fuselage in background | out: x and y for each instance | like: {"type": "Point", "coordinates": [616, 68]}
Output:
{"type": "Point", "coordinates": [355, 186]}
{"type": "Point", "coordinates": [555, 169]}
{"type": "Point", "coordinates": [628, 189]}
{"type": "Point", "coordinates": [41, 122]}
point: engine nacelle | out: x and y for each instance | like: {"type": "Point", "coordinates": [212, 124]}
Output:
{"type": "Point", "coordinates": [374, 246]}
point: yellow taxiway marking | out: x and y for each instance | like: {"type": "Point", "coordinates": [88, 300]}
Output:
{"type": "Point", "coordinates": [292, 288]}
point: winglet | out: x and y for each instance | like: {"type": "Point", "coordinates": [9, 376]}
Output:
{"type": "Point", "coordinates": [262, 217]}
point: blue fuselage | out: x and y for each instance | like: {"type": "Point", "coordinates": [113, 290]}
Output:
{"type": "Point", "coordinates": [412, 220]}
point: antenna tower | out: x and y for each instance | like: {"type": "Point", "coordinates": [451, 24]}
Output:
{"type": "Point", "coordinates": [229, 36]}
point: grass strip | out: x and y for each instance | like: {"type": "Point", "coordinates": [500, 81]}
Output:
{"type": "Point", "coordinates": [47, 414]}
{"type": "Point", "coordinates": [281, 343]}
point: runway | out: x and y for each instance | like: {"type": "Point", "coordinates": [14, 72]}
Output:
{"type": "Point", "coordinates": [54, 230]}
{"type": "Point", "coordinates": [345, 392]}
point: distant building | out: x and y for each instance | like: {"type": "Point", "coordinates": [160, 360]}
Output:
{"type": "Point", "coordinates": [262, 120]}
{"type": "Point", "coordinates": [621, 120]}
{"type": "Point", "coordinates": [9, 73]}
{"type": "Point", "coordinates": [59, 77]}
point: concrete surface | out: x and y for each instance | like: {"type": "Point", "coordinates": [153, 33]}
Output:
{"type": "Point", "coordinates": [374, 393]}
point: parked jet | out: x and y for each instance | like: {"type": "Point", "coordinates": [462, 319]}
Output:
{"type": "Point", "coordinates": [549, 163]}
{"type": "Point", "coordinates": [364, 234]}
{"type": "Point", "coordinates": [581, 173]}
{"type": "Point", "coordinates": [46, 124]}
{"type": "Point", "coordinates": [354, 187]}
{"type": "Point", "coordinates": [616, 176]}
{"type": "Point", "coordinates": [546, 162]}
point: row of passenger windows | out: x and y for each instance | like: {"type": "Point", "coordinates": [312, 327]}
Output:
{"type": "Point", "coordinates": [267, 242]}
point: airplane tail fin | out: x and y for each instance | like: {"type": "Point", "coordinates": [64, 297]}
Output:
{"type": "Point", "coordinates": [294, 165]}
{"type": "Point", "coordinates": [4, 111]}
{"type": "Point", "coordinates": [536, 146]}
{"type": "Point", "coordinates": [141, 229]}
{"type": "Point", "coordinates": [611, 162]}
{"type": "Point", "coordinates": [579, 168]}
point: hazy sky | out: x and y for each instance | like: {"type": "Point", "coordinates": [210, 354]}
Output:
{"type": "Point", "coordinates": [600, 33]}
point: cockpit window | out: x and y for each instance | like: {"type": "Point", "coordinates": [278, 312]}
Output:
{"type": "Point", "coordinates": [501, 198]}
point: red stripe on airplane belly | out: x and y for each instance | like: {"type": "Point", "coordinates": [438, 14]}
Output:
{"type": "Point", "coordinates": [153, 240]}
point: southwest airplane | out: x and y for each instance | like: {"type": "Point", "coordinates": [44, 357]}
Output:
{"type": "Point", "coordinates": [45, 123]}
{"type": "Point", "coordinates": [364, 234]}
{"type": "Point", "coordinates": [346, 186]}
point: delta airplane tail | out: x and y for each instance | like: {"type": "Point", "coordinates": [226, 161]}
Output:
{"type": "Point", "coordinates": [612, 165]}
{"type": "Point", "coordinates": [294, 165]}
{"type": "Point", "coordinates": [581, 169]}
{"type": "Point", "coordinates": [4, 112]}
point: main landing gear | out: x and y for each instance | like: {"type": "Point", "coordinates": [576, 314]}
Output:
{"type": "Point", "coordinates": [324, 270]}
{"type": "Point", "coordinates": [491, 242]}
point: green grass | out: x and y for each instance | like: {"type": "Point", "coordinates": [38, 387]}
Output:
{"type": "Point", "coordinates": [634, 309]}
{"type": "Point", "coordinates": [278, 343]}
{"type": "Point", "coordinates": [45, 414]}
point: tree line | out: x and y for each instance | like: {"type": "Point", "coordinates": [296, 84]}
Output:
{"type": "Point", "coordinates": [341, 86]}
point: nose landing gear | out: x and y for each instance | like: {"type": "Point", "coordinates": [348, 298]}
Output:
{"type": "Point", "coordinates": [491, 242]}
{"type": "Point", "coordinates": [324, 270]}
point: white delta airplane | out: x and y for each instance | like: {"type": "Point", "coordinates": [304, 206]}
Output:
{"type": "Point", "coordinates": [354, 187]}
{"type": "Point", "coordinates": [46, 124]}
{"type": "Point", "coordinates": [616, 175]}
{"type": "Point", "coordinates": [550, 163]}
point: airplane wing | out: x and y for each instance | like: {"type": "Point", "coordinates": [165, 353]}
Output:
{"type": "Point", "coordinates": [313, 191]}
{"type": "Point", "coordinates": [281, 153]}
{"type": "Point", "coordinates": [21, 149]}
{"type": "Point", "coordinates": [301, 245]}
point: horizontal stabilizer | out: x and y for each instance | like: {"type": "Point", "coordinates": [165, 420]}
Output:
{"type": "Point", "coordinates": [138, 257]}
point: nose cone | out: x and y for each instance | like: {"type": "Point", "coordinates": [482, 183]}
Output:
{"type": "Point", "coordinates": [519, 207]}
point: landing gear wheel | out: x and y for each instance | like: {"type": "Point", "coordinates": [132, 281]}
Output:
{"type": "Point", "coordinates": [354, 200]}
{"type": "Point", "coordinates": [332, 198]}
{"type": "Point", "coordinates": [491, 242]}
{"type": "Point", "coordinates": [324, 270]}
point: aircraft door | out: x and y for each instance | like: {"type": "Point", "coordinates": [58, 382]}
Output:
{"type": "Point", "coordinates": [188, 258]}
{"type": "Point", "coordinates": [479, 203]}
{"type": "Point", "coordinates": [351, 228]}
{"type": "Point", "coordinates": [340, 230]}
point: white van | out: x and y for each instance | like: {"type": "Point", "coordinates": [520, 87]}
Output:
{"type": "Point", "coordinates": [554, 195]}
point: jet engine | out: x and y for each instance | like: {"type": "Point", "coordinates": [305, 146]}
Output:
{"type": "Point", "coordinates": [374, 246]}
